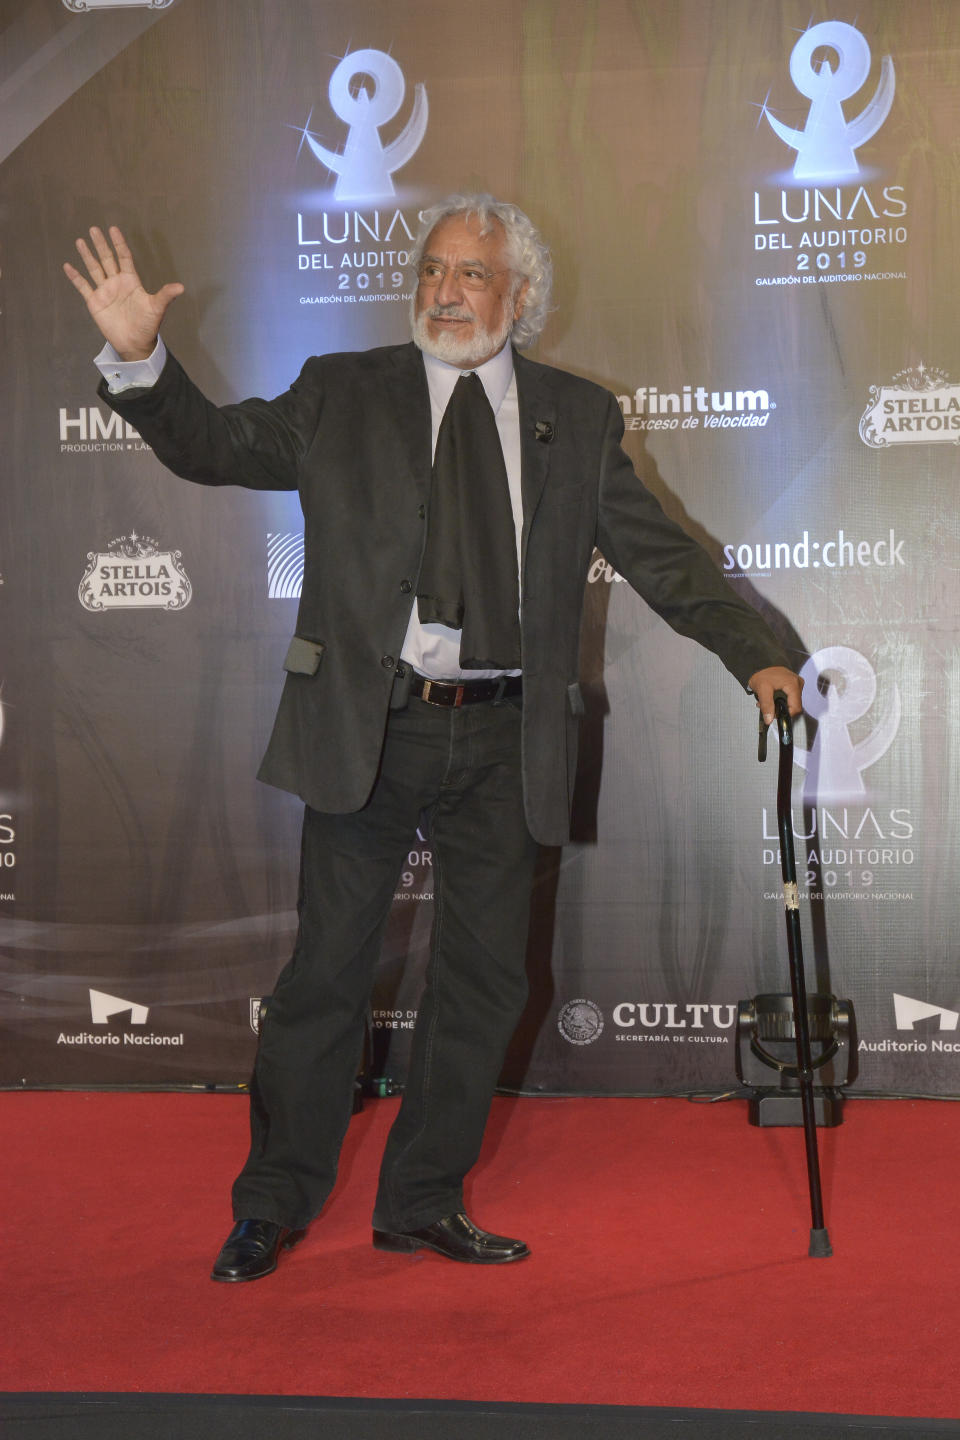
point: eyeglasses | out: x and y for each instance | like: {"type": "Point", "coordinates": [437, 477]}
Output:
{"type": "Point", "coordinates": [472, 277]}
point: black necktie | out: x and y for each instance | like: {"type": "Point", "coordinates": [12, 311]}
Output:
{"type": "Point", "coordinates": [468, 579]}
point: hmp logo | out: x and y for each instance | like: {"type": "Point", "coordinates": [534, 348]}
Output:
{"type": "Point", "coordinates": [840, 687]}
{"type": "Point", "coordinates": [366, 90]}
{"type": "Point", "coordinates": [826, 145]}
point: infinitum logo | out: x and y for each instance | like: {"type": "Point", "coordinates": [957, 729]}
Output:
{"type": "Point", "coordinates": [695, 407]}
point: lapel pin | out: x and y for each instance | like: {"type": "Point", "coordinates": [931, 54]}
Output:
{"type": "Point", "coordinates": [543, 431]}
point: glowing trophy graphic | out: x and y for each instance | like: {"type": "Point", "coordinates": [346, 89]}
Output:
{"type": "Point", "coordinates": [834, 763]}
{"type": "Point", "coordinates": [825, 146]}
{"type": "Point", "coordinates": [364, 166]}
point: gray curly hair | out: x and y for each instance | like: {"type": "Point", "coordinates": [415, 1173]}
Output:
{"type": "Point", "coordinates": [529, 256]}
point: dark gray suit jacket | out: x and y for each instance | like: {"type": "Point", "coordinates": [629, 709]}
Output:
{"type": "Point", "coordinates": [353, 436]}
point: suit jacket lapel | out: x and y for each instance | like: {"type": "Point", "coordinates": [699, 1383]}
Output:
{"type": "Point", "coordinates": [409, 400]}
{"type": "Point", "coordinates": [538, 421]}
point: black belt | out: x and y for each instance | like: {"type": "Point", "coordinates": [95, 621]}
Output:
{"type": "Point", "coordinates": [453, 693]}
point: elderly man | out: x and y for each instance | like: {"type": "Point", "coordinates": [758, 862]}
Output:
{"type": "Point", "coordinates": [453, 493]}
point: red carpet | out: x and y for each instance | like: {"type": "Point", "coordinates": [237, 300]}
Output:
{"type": "Point", "coordinates": [669, 1264]}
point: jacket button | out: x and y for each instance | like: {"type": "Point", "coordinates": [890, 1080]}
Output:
{"type": "Point", "coordinates": [388, 662]}
{"type": "Point", "coordinates": [421, 512]}
{"type": "Point", "coordinates": [405, 587]}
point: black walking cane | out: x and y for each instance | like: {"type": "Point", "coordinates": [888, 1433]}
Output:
{"type": "Point", "coordinates": [819, 1238]}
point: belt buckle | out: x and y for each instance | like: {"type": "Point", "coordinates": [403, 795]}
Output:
{"type": "Point", "coordinates": [443, 689]}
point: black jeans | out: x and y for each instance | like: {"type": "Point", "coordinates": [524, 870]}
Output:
{"type": "Point", "coordinates": [463, 767]}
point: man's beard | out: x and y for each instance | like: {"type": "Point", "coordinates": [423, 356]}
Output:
{"type": "Point", "coordinates": [465, 350]}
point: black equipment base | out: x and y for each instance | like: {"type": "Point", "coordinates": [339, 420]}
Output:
{"type": "Point", "coordinates": [773, 1107]}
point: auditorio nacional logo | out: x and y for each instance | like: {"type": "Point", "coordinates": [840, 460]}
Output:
{"type": "Point", "coordinates": [920, 406]}
{"type": "Point", "coordinates": [353, 244]}
{"type": "Point", "coordinates": [118, 1022]}
{"type": "Point", "coordinates": [830, 218]}
{"type": "Point", "coordinates": [918, 1016]}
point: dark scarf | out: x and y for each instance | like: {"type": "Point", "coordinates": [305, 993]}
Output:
{"type": "Point", "coordinates": [468, 579]}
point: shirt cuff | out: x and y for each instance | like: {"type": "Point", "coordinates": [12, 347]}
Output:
{"type": "Point", "coordinates": [125, 374]}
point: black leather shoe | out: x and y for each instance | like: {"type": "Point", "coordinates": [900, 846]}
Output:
{"type": "Point", "coordinates": [251, 1250]}
{"type": "Point", "coordinates": [456, 1237]}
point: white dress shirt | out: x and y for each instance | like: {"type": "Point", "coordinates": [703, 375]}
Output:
{"type": "Point", "coordinates": [434, 649]}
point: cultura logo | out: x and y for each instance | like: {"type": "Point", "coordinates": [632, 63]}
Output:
{"type": "Point", "coordinates": [920, 406]}
{"type": "Point", "coordinates": [366, 91]}
{"type": "Point", "coordinates": [580, 1022]}
{"type": "Point", "coordinates": [840, 687]}
{"type": "Point", "coordinates": [827, 144]}
{"type": "Point", "coordinates": [661, 1022]}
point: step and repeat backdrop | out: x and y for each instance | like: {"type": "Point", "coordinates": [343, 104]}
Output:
{"type": "Point", "coordinates": [754, 209]}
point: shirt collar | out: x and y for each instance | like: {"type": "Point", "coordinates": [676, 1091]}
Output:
{"type": "Point", "coordinates": [495, 376]}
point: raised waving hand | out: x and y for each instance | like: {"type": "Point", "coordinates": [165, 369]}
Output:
{"type": "Point", "coordinates": [127, 315]}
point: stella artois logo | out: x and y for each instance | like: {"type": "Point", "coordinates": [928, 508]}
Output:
{"type": "Point", "coordinates": [920, 406]}
{"type": "Point", "coordinates": [133, 573]}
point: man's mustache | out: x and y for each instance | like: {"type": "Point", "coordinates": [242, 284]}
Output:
{"type": "Point", "coordinates": [447, 312]}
